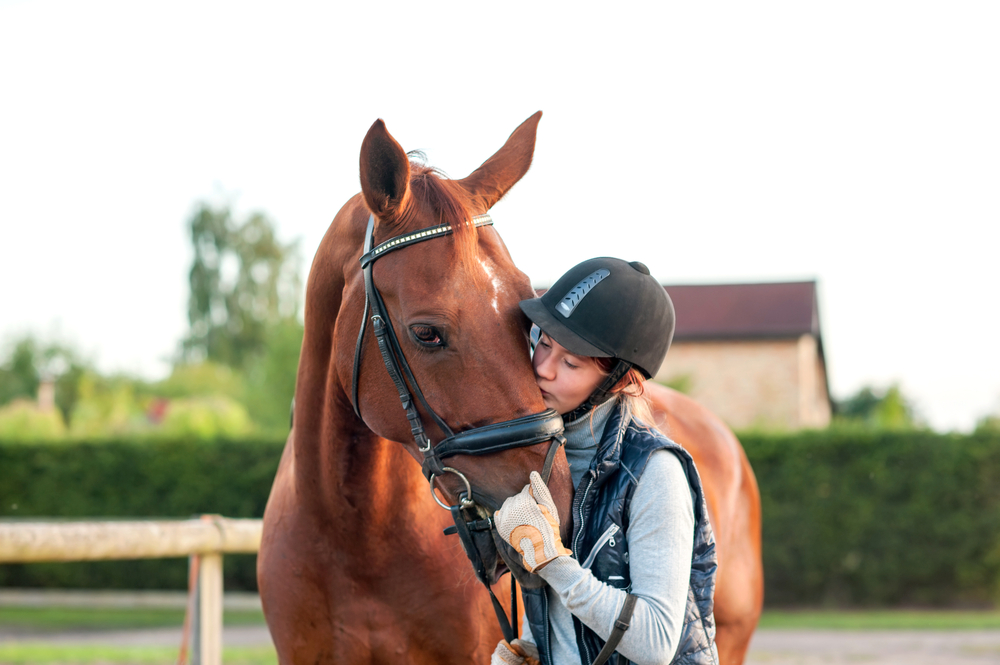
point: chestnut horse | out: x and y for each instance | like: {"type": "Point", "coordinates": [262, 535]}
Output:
{"type": "Point", "coordinates": [354, 565]}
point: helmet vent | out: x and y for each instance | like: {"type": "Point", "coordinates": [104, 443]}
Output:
{"type": "Point", "coordinates": [578, 292]}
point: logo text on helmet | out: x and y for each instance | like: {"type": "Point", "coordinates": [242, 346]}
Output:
{"type": "Point", "coordinates": [577, 293]}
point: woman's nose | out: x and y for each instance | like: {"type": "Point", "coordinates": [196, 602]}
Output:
{"type": "Point", "coordinates": [543, 367]}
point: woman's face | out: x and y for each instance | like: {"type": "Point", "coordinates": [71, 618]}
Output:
{"type": "Point", "coordinates": [566, 380]}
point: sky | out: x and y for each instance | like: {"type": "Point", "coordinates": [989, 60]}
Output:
{"type": "Point", "coordinates": [855, 143]}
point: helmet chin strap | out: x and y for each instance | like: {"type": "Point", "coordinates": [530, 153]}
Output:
{"type": "Point", "coordinates": [600, 394]}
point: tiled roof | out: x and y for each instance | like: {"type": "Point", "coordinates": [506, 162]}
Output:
{"type": "Point", "coordinates": [726, 311]}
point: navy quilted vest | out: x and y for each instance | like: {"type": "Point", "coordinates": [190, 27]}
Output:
{"type": "Point", "coordinates": [600, 519]}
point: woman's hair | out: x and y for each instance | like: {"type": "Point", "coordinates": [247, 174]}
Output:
{"type": "Point", "coordinates": [631, 390]}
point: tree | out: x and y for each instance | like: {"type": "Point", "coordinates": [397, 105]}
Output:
{"type": "Point", "coordinates": [19, 375]}
{"type": "Point", "coordinates": [30, 361]}
{"type": "Point", "coordinates": [270, 379]}
{"type": "Point", "coordinates": [988, 425]}
{"type": "Point", "coordinates": [888, 408]}
{"type": "Point", "coordinates": [242, 280]}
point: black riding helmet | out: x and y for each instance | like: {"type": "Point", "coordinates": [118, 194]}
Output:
{"type": "Point", "coordinates": [607, 308]}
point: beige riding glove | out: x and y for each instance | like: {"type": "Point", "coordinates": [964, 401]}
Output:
{"type": "Point", "coordinates": [515, 653]}
{"type": "Point", "coordinates": [529, 521]}
{"type": "Point", "coordinates": [504, 655]}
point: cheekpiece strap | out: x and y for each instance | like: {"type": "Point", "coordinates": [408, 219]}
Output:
{"type": "Point", "coordinates": [418, 236]}
{"type": "Point", "coordinates": [557, 442]}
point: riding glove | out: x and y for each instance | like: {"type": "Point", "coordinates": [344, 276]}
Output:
{"type": "Point", "coordinates": [514, 653]}
{"type": "Point", "coordinates": [529, 521]}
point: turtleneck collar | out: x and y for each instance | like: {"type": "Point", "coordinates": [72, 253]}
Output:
{"type": "Point", "coordinates": [583, 436]}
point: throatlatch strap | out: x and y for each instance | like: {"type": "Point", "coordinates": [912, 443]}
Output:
{"type": "Point", "coordinates": [359, 345]}
{"type": "Point", "coordinates": [621, 625]}
{"type": "Point", "coordinates": [358, 348]}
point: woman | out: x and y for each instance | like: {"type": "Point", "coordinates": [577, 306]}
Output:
{"type": "Point", "coordinates": [642, 554]}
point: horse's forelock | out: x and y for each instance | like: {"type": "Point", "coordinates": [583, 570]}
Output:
{"type": "Point", "coordinates": [450, 203]}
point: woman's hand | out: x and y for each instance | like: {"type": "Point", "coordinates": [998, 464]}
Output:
{"type": "Point", "coordinates": [529, 521]}
{"type": "Point", "coordinates": [516, 653]}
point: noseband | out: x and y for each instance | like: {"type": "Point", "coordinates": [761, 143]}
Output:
{"type": "Point", "coordinates": [493, 438]}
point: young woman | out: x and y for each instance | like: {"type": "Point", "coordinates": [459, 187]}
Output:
{"type": "Point", "coordinates": [642, 555]}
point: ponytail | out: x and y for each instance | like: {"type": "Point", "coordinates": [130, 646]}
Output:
{"type": "Point", "coordinates": [631, 391]}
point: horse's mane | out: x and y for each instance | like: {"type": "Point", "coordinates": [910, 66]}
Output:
{"type": "Point", "coordinates": [448, 200]}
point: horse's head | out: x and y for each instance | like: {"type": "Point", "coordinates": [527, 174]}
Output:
{"type": "Point", "coordinates": [452, 301]}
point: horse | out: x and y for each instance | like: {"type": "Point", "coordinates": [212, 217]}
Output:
{"type": "Point", "coordinates": [355, 564]}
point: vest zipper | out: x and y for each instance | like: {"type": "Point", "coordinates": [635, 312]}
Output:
{"type": "Point", "coordinates": [601, 542]}
{"type": "Point", "coordinates": [586, 647]}
{"type": "Point", "coordinates": [548, 628]}
{"type": "Point", "coordinates": [579, 526]}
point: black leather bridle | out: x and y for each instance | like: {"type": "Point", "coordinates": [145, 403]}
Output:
{"type": "Point", "coordinates": [472, 522]}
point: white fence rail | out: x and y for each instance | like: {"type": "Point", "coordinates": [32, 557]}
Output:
{"type": "Point", "coordinates": [205, 540]}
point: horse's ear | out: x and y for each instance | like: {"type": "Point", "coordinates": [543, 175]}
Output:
{"type": "Point", "coordinates": [385, 173]}
{"type": "Point", "coordinates": [497, 175]}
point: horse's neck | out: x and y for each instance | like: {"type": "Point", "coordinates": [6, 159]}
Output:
{"type": "Point", "coordinates": [342, 468]}
{"type": "Point", "coordinates": [340, 463]}
{"type": "Point", "coordinates": [337, 459]}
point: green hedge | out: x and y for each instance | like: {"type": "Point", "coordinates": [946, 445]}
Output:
{"type": "Point", "coordinates": [116, 479]}
{"type": "Point", "coordinates": [850, 517]}
{"type": "Point", "coordinates": [879, 518]}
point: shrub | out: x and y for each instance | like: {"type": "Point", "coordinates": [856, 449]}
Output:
{"type": "Point", "coordinates": [205, 418]}
{"type": "Point", "coordinates": [22, 420]}
{"type": "Point", "coordinates": [165, 479]}
{"type": "Point", "coordinates": [854, 517]}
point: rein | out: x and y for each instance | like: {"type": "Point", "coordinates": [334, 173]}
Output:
{"type": "Point", "coordinates": [470, 523]}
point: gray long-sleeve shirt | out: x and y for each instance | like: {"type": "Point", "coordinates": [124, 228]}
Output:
{"type": "Point", "coordinates": [660, 541]}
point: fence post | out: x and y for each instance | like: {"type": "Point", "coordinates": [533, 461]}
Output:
{"type": "Point", "coordinates": [210, 609]}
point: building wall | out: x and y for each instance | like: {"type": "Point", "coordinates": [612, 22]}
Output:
{"type": "Point", "coordinates": [760, 383]}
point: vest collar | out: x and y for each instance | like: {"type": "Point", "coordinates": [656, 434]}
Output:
{"type": "Point", "coordinates": [609, 451]}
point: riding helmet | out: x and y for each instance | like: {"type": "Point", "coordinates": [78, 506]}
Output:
{"type": "Point", "coordinates": [608, 308]}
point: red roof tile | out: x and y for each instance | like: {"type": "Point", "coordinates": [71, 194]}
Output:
{"type": "Point", "coordinates": [725, 311]}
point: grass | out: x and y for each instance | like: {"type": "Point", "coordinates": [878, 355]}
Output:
{"type": "Point", "coordinates": [881, 619]}
{"type": "Point", "coordinates": [50, 619]}
{"type": "Point", "coordinates": [36, 622]}
{"type": "Point", "coordinates": [43, 654]}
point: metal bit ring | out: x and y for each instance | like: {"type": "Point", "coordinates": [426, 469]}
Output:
{"type": "Point", "coordinates": [464, 499]}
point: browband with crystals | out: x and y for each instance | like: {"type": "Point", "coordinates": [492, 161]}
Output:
{"type": "Point", "coordinates": [423, 234]}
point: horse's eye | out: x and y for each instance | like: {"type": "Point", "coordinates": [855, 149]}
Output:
{"type": "Point", "coordinates": [427, 335]}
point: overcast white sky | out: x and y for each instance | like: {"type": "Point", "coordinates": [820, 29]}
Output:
{"type": "Point", "coordinates": [856, 143]}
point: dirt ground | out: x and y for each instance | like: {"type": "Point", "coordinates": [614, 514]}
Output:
{"type": "Point", "coordinates": [897, 647]}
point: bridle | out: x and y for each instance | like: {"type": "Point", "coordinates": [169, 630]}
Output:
{"type": "Point", "coordinates": [472, 521]}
